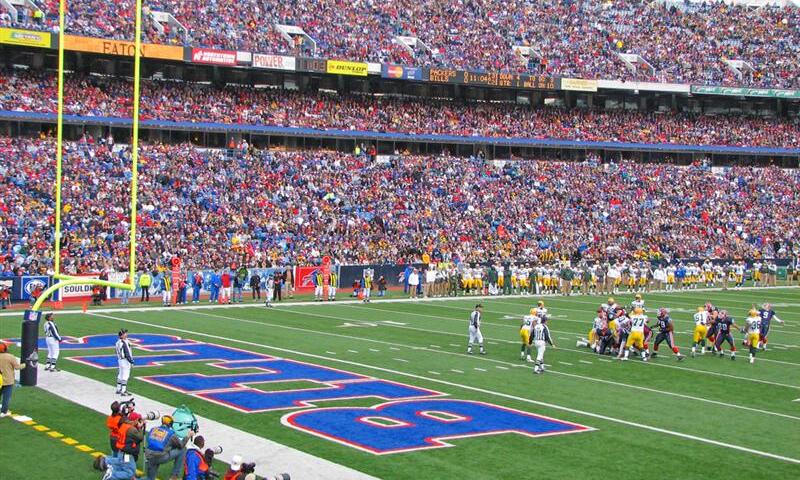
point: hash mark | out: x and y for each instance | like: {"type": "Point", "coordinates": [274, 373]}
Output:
{"type": "Point", "coordinates": [433, 373]}
{"type": "Point", "coordinates": [374, 350]}
{"type": "Point", "coordinates": [331, 353]}
{"type": "Point", "coordinates": [353, 351]}
{"type": "Point", "coordinates": [401, 360]}
{"type": "Point", "coordinates": [480, 369]}
{"type": "Point", "coordinates": [586, 362]}
{"type": "Point", "coordinates": [455, 371]}
{"type": "Point", "coordinates": [501, 367]}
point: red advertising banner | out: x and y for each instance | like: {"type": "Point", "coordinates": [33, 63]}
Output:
{"type": "Point", "coordinates": [304, 279]}
{"type": "Point", "coordinates": [213, 57]}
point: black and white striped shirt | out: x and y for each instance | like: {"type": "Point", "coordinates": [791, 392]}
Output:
{"type": "Point", "coordinates": [541, 333]}
{"type": "Point", "coordinates": [123, 348]}
{"type": "Point", "coordinates": [51, 330]}
{"type": "Point", "coordinates": [475, 319]}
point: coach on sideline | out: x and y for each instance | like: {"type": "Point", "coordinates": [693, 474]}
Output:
{"type": "Point", "coordinates": [8, 363]}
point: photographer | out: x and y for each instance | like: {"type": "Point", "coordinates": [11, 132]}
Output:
{"type": "Point", "coordinates": [130, 436]}
{"type": "Point", "coordinates": [197, 467]}
{"type": "Point", "coordinates": [246, 471]}
{"type": "Point", "coordinates": [113, 423]}
{"type": "Point", "coordinates": [163, 446]}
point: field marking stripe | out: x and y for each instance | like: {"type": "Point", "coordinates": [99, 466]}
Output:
{"type": "Point", "coordinates": [566, 363]}
{"type": "Point", "coordinates": [586, 362]}
{"type": "Point", "coordinates": [401, 360]}
{"type": "Point", "coordinates": [452, 319]}
{"type": "Point", "coordinates": [474, 389]}
{"type": "Point", "coordinates": [592, 379]}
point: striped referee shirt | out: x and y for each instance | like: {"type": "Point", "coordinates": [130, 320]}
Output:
{"type": "Point", "coordinates": [541, 333]}
{"type": "Point", "coordinates": [123, 348]}
{"type": "Point", "coordinates": [51, 330]}
{"type": "Point", "coordinates": [475, 319]}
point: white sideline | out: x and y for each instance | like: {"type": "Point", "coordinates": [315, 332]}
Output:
{"type": "Point", "coordinates": [271, 458]}
{"type": "Point", "coordinates": [203, 306]}
{"type": "Point", "coordinates": [475, 389]}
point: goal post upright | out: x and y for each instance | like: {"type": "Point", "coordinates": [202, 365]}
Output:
{"type": "Point", "coordinates": [64, 280]}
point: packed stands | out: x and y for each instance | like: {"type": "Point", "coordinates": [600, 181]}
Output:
{"type": "Point", "coordinates": [685, 42]}
{"type": "Point", "coordinates": [103, 96]}
{"type": "Point", "coordinates": [213, 206]}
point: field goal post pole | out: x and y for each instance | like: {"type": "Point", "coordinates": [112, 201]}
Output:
{"type": "Point", "coordinates": [30, 323]}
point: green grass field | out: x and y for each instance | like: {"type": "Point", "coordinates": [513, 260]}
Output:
{"type": "Point", "coordinates": [698, 418]}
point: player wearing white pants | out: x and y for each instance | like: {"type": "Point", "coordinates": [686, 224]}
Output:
{"type": "Point", "coordinates": [53, 339]}
{"type": "Point", "coordinates": [541, 338]}
{"type": "Point", "coordinates": [475, 335]}
{"type": "Point", "coordinates": [125, 363]}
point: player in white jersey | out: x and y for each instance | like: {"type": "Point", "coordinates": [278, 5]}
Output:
{"type": "Point", "coordinates": [525, 331]}
{"type": "Point", "coordinates": [598, 323]}
{"type": "Point", "coordinates": [700, 331]}
{"type": "Point", "coordinates": [541, 311]}
{"type": "Point", "coordinates": [53, 339]}
{"type": "Point", "coordinates": [541, 338]}
{"type": "Point", "coordinates": [475, 335]}
{"type": "Point", "coordinates": [752, 330]}
{"type": "Point", "coordinates": [638, 303]}
{"type": "Point", "coordinates": [124, 362]}
{"type": "Point", "coordinates": [636, 336]}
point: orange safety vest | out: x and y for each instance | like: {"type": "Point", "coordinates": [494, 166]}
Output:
{"type": "Point", "coordinates": [233, 476]}
{"type": "Point", "coordinates": [123, 441]}
{"type": "Point", "coordinates": [203, 465]}
{"type": "Point", "coordinates": [112, 422]}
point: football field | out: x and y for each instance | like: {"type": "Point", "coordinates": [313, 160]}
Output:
{"type": "Point", "coordinates": [587, 416]}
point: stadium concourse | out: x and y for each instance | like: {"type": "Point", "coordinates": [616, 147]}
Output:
{"type": "Point", "coordinates": [678, 41]}
{"type": "Point", "coordinates": [96, 96]}
{"type": "Point", "coordinates": [211, 207]}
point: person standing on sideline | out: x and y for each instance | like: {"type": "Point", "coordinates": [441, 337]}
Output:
{"type": "Point", "coordinates": [289, 277]}
{"type": "Point", "coordinates": [413, 282]}
{"type": "Point", "coordinates": [125, 295]}
{"type": "Point", "coordinates": [8, 363]}
{"type": "Point", "coordinates": [381, 286]}
{"type": "Point", "coordinates": [197, 285]}
{"type": "Point", "coordinates": [367, 286]}
{"type": "Point", "coordinates": [255, 286]}
{"type": "Point", "coordinates": [145, 280]}
{"type": "Point", "coordinates": [124, 362]}
{"type": "Point", "coordinates": [166, 289]}
{"type": "Point", "coordinates": [53, 339]}
{"type": "Point", "coordinates": [225, 294]}
{"type": "Point", "coordinates": [182, 290]}
{"type": "Point", "coordinates": [475, 335]}
{"type": "Point", "coordinates": [333, 284]}
{"type": "Point", "coordinates": [277, 284]}
{"type": "Point", "coordinates": [269, 284]}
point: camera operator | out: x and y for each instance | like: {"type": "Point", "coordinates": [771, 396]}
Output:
{"type": "Point", "coordinates": [163, 446]}
{"type": "Point", "coordinates": [131, 434]}
{"type": "Point", "coordinates": [239, 470]}
{"type": "Point", "coordinates": [197, 468]}
{"type": "Point", "coordinates": [113, 423]}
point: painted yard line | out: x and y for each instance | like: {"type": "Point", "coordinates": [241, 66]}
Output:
{"type": "Point", "coordinates": [598, 416]}
{"type": "Point", "coordinates": [433, 373]}
{"type": "Point", "coordinates": [506, 368]}
{"type": "Point", "coordinates": [593, 379]}
{"type": "Point", "coordinates": [435, 346]}
{"type": "Point", "coordinates": [480, 369]}
{"type": "Point", "coordinates": [566, 363]}
{"type": "Point", "coordinates": [586, 362]}
{"type": "Point", "coordinates": [374, 350]}
{"type": "Point", "coordinates": [331, 353]}
{"type": "Point", "coordinates": [401, 360]}
{"type": "Point", "coordinates": [516, 327]}
{"type": "Point", "coordinates": [456, 371]}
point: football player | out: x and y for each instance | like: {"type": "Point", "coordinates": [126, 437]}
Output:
{"type": "Point", "coordinates": [767, 315]}
{"type": "Point", "coordinates": [700, 331]}
{"type": "Point", "coordinates": [525, 330]}
{"type": "Point", "coordinates": [665, 333]}
{"type": "Point", "coordinates": [752, 325]}
{"type": "Point", "coordinates": [725, 325]}
{"type": "Point", "coordinates": [636, 336]}
{"type": "Point", "coordinates": [638, 303]}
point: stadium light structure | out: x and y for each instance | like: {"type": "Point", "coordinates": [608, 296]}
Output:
{"type": "Point", "coordinates": [30, 323]}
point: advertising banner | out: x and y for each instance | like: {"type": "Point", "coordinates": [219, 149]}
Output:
{"type": "Point", "coordinates": [578, 85]}
{"type": "Point", "coordinates": [274, 62]}
{"type": "Point", "coordinates": [304, 279]}
{"type": "Point", "coordinates": [77, 292]}
{"type": "Point", "coordinates": [214, 57]}
{"type": "Point", "coordinates": [28, 38]}
{"type": "Point", "coordinates": [401, 72]}
{"type": "Point", "coordinates": [28, 284]}
{"type": "Point", "coordinates": [342, 67]}
{"type": "Point", "coordinates": [745, 92]}
{"type": "Point", "coordinates": [121, 48]}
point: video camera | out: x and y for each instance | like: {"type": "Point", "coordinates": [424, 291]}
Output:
{"type": "Point", "coordinates": [248, 468]}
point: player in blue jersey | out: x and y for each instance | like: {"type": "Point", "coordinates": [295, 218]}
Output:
{"type": "Point", "coordinates": [665, 333]}
{"type": "Point", "coordinates": [725, 326]}
{"type": "Point", "coordinates": [767, 315]}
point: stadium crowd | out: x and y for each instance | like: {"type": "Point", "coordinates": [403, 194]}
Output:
{"type": "Point", "coordinates": [179, 101]}
{"type": "Point", "coordinates": [679, 41]}
{"type": "Point", "coordinates": [215, 207]}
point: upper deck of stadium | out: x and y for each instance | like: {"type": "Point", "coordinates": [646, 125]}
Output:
{"type": "Point", "coordinates": [754, 43]}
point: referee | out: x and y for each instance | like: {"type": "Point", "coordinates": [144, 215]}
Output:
{"type": "Point", "coordinates": [124, 361]}
{"type": "Point", "coordinates": [53, 339]}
